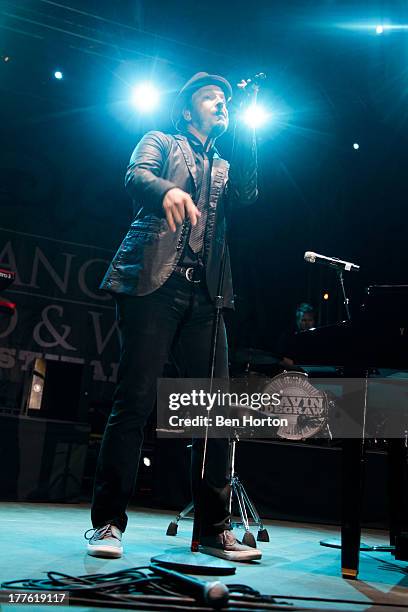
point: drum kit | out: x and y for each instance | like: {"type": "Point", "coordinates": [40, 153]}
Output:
{"type": "Point", "coordinates": [264, 373]}
{"type": "Point", "coordinates": [261, 371]}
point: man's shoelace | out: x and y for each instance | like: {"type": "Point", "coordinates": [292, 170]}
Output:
{"type": "Point", "coordinates": [100, 534]}
{"type": "Point", "coordinates": [229, 538]}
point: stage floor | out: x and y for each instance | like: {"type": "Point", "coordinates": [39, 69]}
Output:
{"type": "Point", "coordinates": [35, 538]}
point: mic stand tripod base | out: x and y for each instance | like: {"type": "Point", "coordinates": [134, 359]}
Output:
{"type": "Point", "coordinates": [336, 543]}
{"type": "Point", "coordinates": [183, 560]}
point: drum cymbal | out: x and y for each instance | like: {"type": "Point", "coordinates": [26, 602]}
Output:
{"type": "Point", "coordinates": [255, 356]}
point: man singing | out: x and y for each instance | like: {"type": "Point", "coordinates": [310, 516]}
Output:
{"type": "Point", "coordinates": [164, 278]}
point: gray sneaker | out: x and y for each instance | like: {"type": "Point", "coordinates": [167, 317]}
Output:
{"type": "Point", "coordinates": [105, 542]}
{"type": "Point", "coordinates": [226, 546]}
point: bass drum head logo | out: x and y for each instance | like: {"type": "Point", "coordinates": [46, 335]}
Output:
{"type": "Point", "coordinates": [304, 407]}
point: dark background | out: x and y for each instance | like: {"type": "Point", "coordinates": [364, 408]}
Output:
{"type": "Point", "coordinates": [65, 144]}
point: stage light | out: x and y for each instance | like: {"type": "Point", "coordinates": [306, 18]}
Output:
{"type": "Point", "coordinates": [58, 75]}
{"type": "Point", "coordinates": [145, 97]}
{"type": "Point", "coordinates": [255, 116]}
{"type": "Point", "coordinates": [325, 296]}
{"type": "Point", "coordinates": [356, 146]}
{"type": "Point", "coordinates": [147, 462]}
{"type": "Point", "coordinates": [377, 28]}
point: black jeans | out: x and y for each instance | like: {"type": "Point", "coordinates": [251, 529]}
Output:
{"type": "Point", "coordinates": [177, 317]}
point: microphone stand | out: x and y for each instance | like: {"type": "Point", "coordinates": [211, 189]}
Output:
{"type": "Point", "coordinates": [346, 300]}
{"type": "Point", "coordinates": [218, 306]}
{"type": "Point", "coordinates": [191, 562]}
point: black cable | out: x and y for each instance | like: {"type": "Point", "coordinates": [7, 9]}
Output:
{"type": "Point", "coordinates": [135, 587]}
{"type": "Point", "coordinates": [329, 600]}
{"type": "Point", "coordinates": [139, 588]}
{"type": "Point", "coordinates": [58, 581]}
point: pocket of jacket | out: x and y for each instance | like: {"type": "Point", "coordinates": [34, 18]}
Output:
{"type": "Point", "coordinates": [149, 225]}
{"type": "Point", "coordinates": [136, 236]}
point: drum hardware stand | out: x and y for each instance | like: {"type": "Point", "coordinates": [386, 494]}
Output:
{"type": "Point", "coordinates": [244, 503]}
{"type": "Point", "coordinates": [247, 510]}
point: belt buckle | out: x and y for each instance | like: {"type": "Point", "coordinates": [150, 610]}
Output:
{"type": "Point", "coordinates": [189, 274]}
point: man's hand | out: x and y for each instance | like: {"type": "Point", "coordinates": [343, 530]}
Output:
{"type": "Point", "coordinates": [177, 204]}
{"type": "Point", "coordinates": [249, 89]}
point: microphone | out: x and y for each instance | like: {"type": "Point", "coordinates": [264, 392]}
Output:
{"type": "Point", "coordinates": [254, 80]}
{"type": "Point", "coordinates": [214, 594]}
{"type": "Point", "coordinates": [333, 262]}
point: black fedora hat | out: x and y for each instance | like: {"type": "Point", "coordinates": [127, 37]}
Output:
{"type": "Point", "coordinates": [200, 79]}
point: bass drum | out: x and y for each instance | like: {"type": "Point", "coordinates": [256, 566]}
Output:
{"type": "Point", "coordinates": [304, 407]}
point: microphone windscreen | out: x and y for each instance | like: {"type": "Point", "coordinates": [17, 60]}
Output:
{"type": "Point", "coordinates": [310, 256]}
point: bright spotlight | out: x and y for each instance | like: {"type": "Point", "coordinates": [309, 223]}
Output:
{"type": "Point", "coordinates": [145, 97]}
{"type": "Point", "coordinates": [147, 462]}
{"type": "Point", "coordinates": [58, 75]}
{"type": "Point", "coordinates": [379, 29]}
{"type": "Point", "coordinates": [255, 116]}
{"type": "Point", "coordinates": [356, 146]}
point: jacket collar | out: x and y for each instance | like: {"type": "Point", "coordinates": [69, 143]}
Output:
{"type": "Point", "coordinates": [182, 141]}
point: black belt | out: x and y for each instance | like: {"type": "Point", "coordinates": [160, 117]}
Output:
{"type": "Point", "coordinates": [193, 275]}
